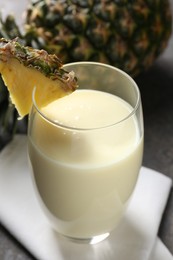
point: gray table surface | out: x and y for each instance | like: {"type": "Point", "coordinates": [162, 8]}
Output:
{"type": "Point", "coordinates": [156, 87]}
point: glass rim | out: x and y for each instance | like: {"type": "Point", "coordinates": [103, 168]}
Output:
{"type": "Point", "coordinates": [62, 125]}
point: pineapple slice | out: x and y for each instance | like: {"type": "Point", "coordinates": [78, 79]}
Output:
{"type": "Point", "coordinates": [25, 68]}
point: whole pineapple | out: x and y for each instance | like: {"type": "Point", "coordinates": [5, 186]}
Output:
{"type": "Point", "coordinates": [125, 33]}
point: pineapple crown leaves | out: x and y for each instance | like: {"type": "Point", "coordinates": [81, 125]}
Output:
{"type": "Point", "coordinates": [8, 116]}
{"type": "Point", "coordinates": [8, 28]}
{"type": "Point", "coordinates": [48, 64]}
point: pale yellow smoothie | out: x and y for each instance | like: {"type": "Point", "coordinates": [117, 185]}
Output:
{"type": "Point", "coordinates": [86, 162]}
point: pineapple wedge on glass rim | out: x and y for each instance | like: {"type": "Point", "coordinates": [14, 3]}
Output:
{"type": "Point", "coordinates": [25, 68]}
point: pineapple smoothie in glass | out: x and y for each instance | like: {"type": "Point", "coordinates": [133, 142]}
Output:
{"type": "Point", "coordinates": [86, 151]}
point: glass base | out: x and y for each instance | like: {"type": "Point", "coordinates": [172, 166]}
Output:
{"type": "Point", "coordinates": [91, 241]}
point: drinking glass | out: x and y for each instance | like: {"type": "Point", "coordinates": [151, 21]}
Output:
{"type": "Point", "coordinates": [84, 175]}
